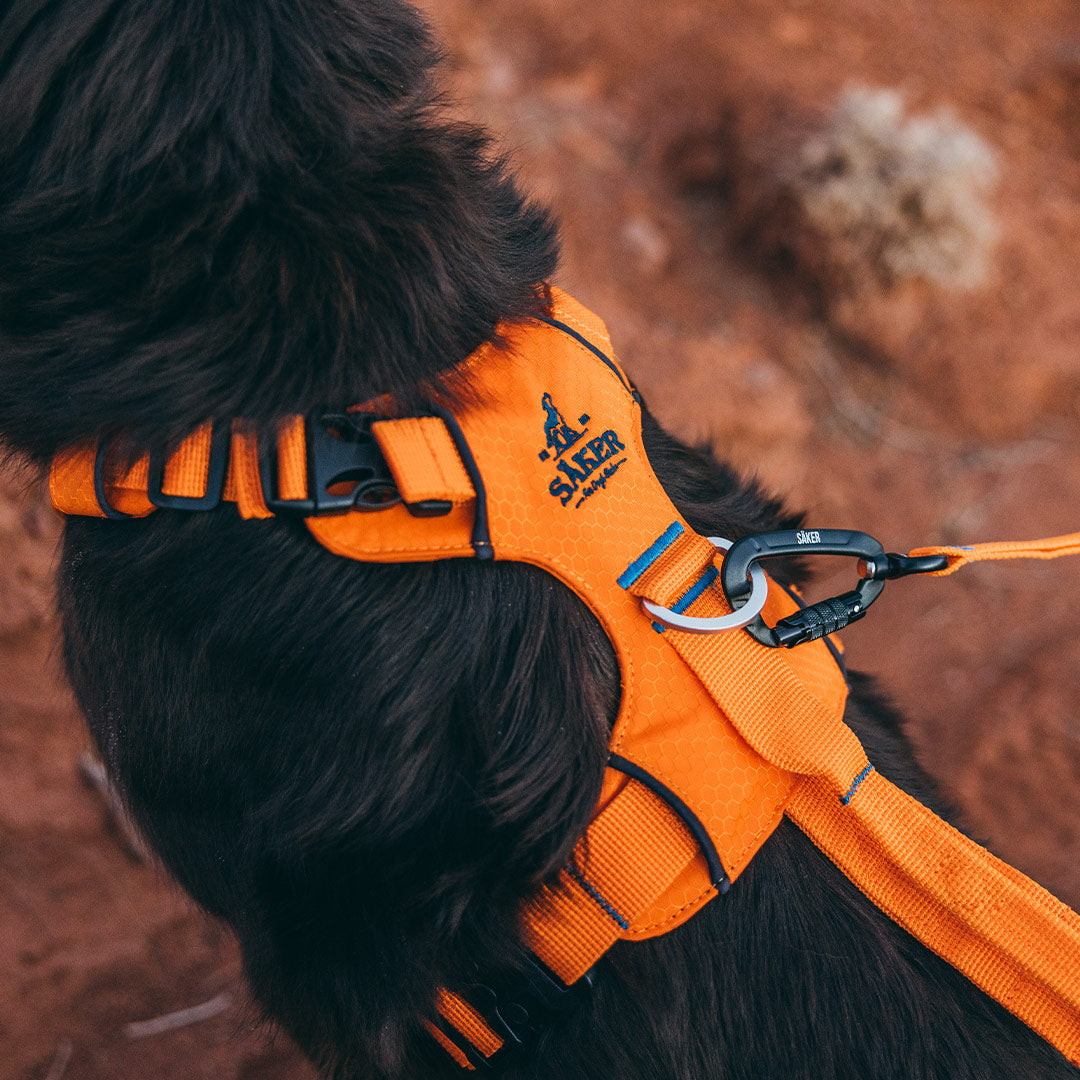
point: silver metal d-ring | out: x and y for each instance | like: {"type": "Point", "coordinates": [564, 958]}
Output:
{"type": "Point", "coordinates": [739, 617]}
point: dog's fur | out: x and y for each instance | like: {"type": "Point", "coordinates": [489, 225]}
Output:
{"type": "Point", "coordinates": [212, 208]}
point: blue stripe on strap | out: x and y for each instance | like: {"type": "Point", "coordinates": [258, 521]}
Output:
{"type": "Point", "coordinates": [691, 594]}
{"type": "Point", "coordinates": [650, 555]}
{"type": "Point", "coordinates": [845, 799]}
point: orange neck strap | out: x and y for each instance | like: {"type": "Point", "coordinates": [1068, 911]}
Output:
{"type": "Point", "coordinates": [717, 736]}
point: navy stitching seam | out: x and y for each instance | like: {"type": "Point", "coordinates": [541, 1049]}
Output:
{"type": "Point", "coordinates": [691, 594]}
{"type": "Point", "coordinates": [579, 877]}
{"type": "Point", "coordinates": [845, 799]}
{"type": "Point", "coordinates": [650, 555]}
{"type": "Point", "coordinates": [591, 347]}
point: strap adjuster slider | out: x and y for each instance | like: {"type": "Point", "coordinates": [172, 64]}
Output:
{"type": "Point", "coordinates": [216, 471]}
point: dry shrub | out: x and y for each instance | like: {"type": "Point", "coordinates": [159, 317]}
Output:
{"type": "Point", "coordinates": [890, 198]}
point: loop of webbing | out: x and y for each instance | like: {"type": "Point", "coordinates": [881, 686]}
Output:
{"type": "Point", "coordinates": [467, 1022]}
{"type": "Point", "coordinates": [419, 451]}
{"type": "Point", "coordinates": [186, 467]}
{"type": "Point", "coordinates": [243, 484]}
{"type": "Point", "coordinates": [813, 739]}
{"type": "Point", "coordinates": [448, 1044]}
{"type": "Point", "coordinates": [772, 708]}
{"type": "Point", "coordinates": [292, 459]}
{"type": "Point", "coordinates": [423, 459]}
{"type": "Point", "coordinates": [71, 476]}
{"type": "Point", "coordinates": [71, 482]}
{"type": "Point", "coordinates": [666, 574]}
{"type": "Point", "coordinates": [671, 573]}
{"type": "Point", "coordinates": [1050, 548]}
{"type": "Point", "coordinates": [72, 487]}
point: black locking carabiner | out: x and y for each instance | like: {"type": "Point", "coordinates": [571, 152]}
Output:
{"type": "Point", "coordinates": [876, 566]}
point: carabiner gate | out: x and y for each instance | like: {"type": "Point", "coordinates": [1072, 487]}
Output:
{"type": "Point", "coordinates": [826, 616]}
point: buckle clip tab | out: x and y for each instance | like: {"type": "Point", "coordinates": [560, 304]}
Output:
{"type": "Point", "coordinates": [341, 453]}
{"type": "Point", "coordinates": [520, 1010]}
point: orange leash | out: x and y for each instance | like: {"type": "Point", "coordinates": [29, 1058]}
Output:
{"type": "Point", "coordinates": [1052, 548]}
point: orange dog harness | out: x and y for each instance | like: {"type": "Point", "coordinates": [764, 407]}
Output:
{"type": "Point", "coordinates": [717, 736]}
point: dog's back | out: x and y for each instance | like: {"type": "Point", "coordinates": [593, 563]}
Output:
{"type": "Point", "coordinates": [209, 210]}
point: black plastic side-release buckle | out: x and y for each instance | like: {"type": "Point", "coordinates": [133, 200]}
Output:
{"type": "Point", "coordinates": [345, 470]}
{"type": "Point", "coordinates": [518, 1010]}
{"type": "Point", "coordinates": [342, 454]}
{"type": "Point", "coordinates": [826, 616]}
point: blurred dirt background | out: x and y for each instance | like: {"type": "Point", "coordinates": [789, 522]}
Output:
{"type": "Point", "coordinates": [667, 137]}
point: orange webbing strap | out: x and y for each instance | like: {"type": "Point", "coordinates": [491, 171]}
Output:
{"type": "Point", "coordinates": [630, 854]}
{"type": "Point", "coordinates": [243, 484]}
{"type": "Point", "coordinates": [754, 685]}
{"type": "Point", "coordinates": [71, 483]}
{"type": "Point", "coordinates": [466, 1021]}
{"type": "Point", "coordinates": [292, 459]}
{"type": "Point", "coordinates": [1052, 548]}
{"type": "Point", "coordinates": [452, 1047]}
{"type": "Point", "coordinates": [1007, 934]}
{"type": "Point", "coordinates": [71, 476]}
{"type": "Point", "coordinates": [419, 451]}
{"type": "Point", "coordinates": [423, 459]}
{"type": "Point", "coordinates": [187, 467]}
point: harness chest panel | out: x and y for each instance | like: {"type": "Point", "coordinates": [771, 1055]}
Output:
{"type": "Point", "coordinates": [569, 488]}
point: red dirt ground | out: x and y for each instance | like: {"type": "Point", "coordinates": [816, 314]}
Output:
{"type": "Point", "coordinates": [919, 415]}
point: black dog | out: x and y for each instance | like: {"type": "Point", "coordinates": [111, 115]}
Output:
{"type": "Point", "coordinates": [218, 209]}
